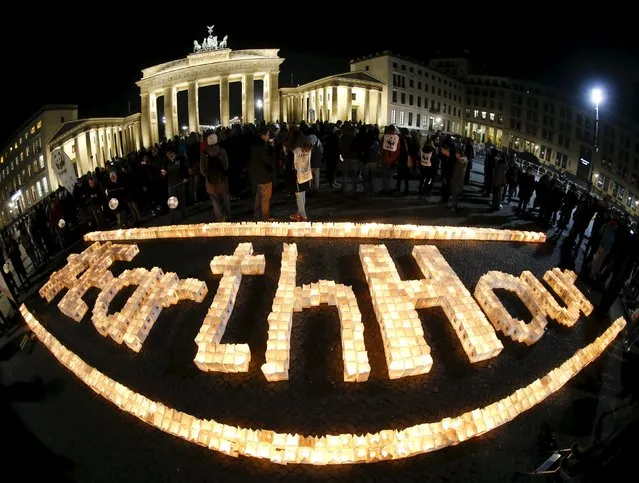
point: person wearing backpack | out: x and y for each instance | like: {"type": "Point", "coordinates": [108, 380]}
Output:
{"type": "Point", "coordinates": [301, 149]}
{"type": "Point", "coordinates": [214, 165]}
{"type": "Point", "coordinates": [389, 155]}
{"type": "Point", "coordinates": [426, 160]}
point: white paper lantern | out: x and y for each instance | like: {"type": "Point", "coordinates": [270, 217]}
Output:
{"type": "Point", "coordinates": [172, 202]}
{"type": "Point", "coordinates": [62, 223]}
{"type": "Point", "coordinates": [113, 203]}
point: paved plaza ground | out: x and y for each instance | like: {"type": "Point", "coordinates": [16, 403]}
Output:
{"type": "Point", "coordinates": [66, 431]}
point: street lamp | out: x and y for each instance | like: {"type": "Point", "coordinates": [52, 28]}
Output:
{"type": "Point", "coordinates": [596, 96]}
{"type": "Point", "coordinates": [259, 104]}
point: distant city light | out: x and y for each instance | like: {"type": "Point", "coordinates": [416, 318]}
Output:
{"type": "Point", "coordinates": [259, 104]}
{"type": "Point", "coordinates": [184, 128]}
{"type": "Point", "coordinates": [163, 119]}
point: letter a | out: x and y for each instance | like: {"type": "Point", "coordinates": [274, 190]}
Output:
{"type": "Point", "coordinates": [395, 301]}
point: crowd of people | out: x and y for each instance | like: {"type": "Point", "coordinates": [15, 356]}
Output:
{"type": "Point", "coordinates": [227, 164]}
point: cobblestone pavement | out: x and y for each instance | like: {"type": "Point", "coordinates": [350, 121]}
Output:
{"type": "Point", "coordinates": [103, 444]}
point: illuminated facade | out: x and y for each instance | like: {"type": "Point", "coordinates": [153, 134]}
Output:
{"type": "Point", "coordinates": [211, 63]}
{"type": "Point", "coordinates": [353, 96]}
{"type": "Point", "coordinates": [545, 122]}
{"type": "Point", "coordinates": [25, 174]}
{"type": "Point", "coordinates": [415, 96]}
{"type": "Point", "coordinates": [90, 143]}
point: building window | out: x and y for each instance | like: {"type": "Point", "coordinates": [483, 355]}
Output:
{"type": "Point", "coordinates": [45, 186]}
{"type": "Point", "coordinates": [403, 68]}
{"type": "Point", "coordinates": [475, 113]}
{"type": "Point", "coordinates": [393, 116]}
{"type": "Point", "coordinates": [394, 65]}
{"type": "Point", "coordinates": [411, 83]}
{"type": "Point", "coordinates": [483, 114]}
{"type": "Point", "coordinates": [629, 202]}
{"type": "Point", "coordinates": [39, 125]}
{"type": "Point", "coordinates": [403, 98]}
{"type": "Point", "coordinates": [419, 86]}
{"type": "Point", "coordinates": [394, 80]}
{"type": "Point", "coordinates": [411, 70]}
{"type": "Point", "coordinates": [410, 100]}
{"type": "Point", "coordinates": [491, 116]}
{"type": "Point", "coordinates": [419, 102]}
{"type": "Point", "coordinates": [353, 97]}
{"type": "Point", "coordinates": [410, 118]}
{"type": "Point", "coordinates": [418, 120]}
{"type": "Point", "coordinates": [394, 96]}
{"type": "Point", "coordinates": [41, 161]}
{"type": "Point", "coordinates": [366, 68]}
{"type": "Point", "coordinates": [401, 118]}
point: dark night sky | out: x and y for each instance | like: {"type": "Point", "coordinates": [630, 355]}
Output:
{"type": "Point", "coordinates": [94, 61]}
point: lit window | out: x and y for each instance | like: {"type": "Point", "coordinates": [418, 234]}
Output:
{"type": "Point", "coordinates": [45, 186]}
{"type": "Point", "coordinates": [32, 129]}
{"type": "Point", "coordinates": [483, 114]}
{"type": "Point", "coordinates": [393, 114]}
{"type": "Point", "coordinates": [39, 125]}
{"type": "Point", "coordinates": [475, 113]}
{"type": "Point", "coordinates": [401, 118]}
{"type": "Point", "coordinates": [629, 201]}
{"type": "Point", "coordinates": [41, 161]}
{"type": "Point", "coordinates": [27, 151]}
{"type": "Point", "coordinates": [39, 190]}
{"type": "Point", "coordinates": [492, 116]}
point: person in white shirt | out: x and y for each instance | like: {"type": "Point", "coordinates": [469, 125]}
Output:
{"type": "Point", "coordinates": [301, 148]}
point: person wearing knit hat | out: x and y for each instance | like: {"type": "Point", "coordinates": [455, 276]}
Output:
{"type": "Point", "coordinates": [214, 166]}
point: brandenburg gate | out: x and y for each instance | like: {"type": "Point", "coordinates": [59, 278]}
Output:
{"type": "Point", "coordinates": [211, 62]}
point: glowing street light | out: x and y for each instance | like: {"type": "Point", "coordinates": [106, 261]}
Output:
{"type": "Point", "coordinates": [596, 96]}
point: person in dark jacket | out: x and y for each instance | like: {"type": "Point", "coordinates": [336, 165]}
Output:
{"type": "Point", "coordinates": [177, 174]}
{"type": "Point", "coordinates": [261, 170]}
{"type": "Point", "coordinates": [499, 180]}
{"type": "Point", "coordinates": [96, 202]}
{"type": "Point", "coordinates": [526, 188]}
{"type": "Point", "coordinates": [115, 190]}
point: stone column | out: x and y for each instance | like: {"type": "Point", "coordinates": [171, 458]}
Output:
{"type": "Point", "coordinates": [82, 154]}
{"type": "Point", "coordinates": [275, 96]}
{"type": "Point", "coordinates": [367, 105]}
{"type": "Point", "coordinates": [155, 135]}
{"type": "Point", "coordinates": [271, 97]}
{"type": "Point", "coordinates": [224, 101]}
{"type": "Point", "coordinates": [78, 157]}
{"type": "Point", "coordinates": [334, 111]}
{"type": "Point", "coordinates": [325, 104]}
{"type": "Point", "coordinates": [118, 141]}
{"type": "Point", "coordinates": [171, 127]}
{"type": "Point", "coordinates": [146, 119]}
{"type": "Point", "coordinates": [138, 136]}
{"type": "Point", "coordinates": [380, 113]}
{"type": "Point", "coordinates": [349, 103]}
{"type": "Point", "coordinates": [194, 107]}
{"type": "Point", "coordinates": [248, 98]}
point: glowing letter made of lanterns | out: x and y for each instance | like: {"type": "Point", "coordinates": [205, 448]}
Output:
{"type": "Point", "coordinates": [93, 263]}
{"type": "Point", "coordinates": [290, 298]}
{"type": "Point", "coordinates": [395, 303]}
{"type": "Point", "coordinates": [211, 355]}
{"type": "Point", "coordinates": [156, 290]}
